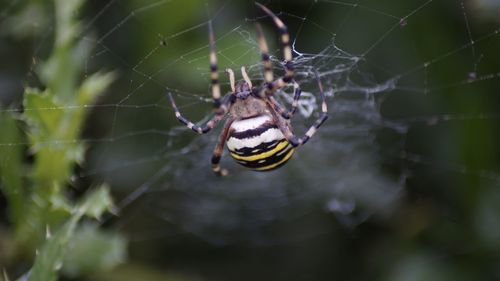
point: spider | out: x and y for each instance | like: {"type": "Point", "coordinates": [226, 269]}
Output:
{"type": "Point", "coordinates": [258, 132]}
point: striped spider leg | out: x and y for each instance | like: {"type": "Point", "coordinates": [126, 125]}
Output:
{"type": "Point", "coordinates": [219, 148]}
{"type": "Point", "coordinates": [285, 127]}
{"type": "Point", "coordinates": [287, 113]}
{"type": "Point", "coordinates": [220, 108]}
{"type": "Point", "coordinates": [279, 83]}
{"type": "Point", "coordinates": [273, 86]}
{"type": "Point", "coordinates": [217, 153]}
{"type": "Point", "coordinates": [209, 125]}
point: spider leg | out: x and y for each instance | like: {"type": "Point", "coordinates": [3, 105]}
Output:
{"type": "Point", "coordinates": [207, 126]}
{"type": "Point", "coordinates": [287, 132]}
{"type": "Point", "coordinates": [287, 114]}
{"type": "Point", "coordinates": [214, 75]}
{"type": "Point", "coordinates": [264, 50]}
{"type": "Point", "coordinates": [219, 108]}
{"type": "Point", "coordinates": [219, 148]}
{"type": "Point", "coordinates": [286, 50]}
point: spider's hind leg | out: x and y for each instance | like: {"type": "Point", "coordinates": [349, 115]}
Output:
{"type": "Point", "coordinates": [287, 113]}
{"type": "Point", "coordinates": [298, 141]}
{"type": "Point", "coordinates": [219, 148]}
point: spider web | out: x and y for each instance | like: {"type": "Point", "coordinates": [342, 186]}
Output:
{"type": "Point", "coordinates": [402, 102]}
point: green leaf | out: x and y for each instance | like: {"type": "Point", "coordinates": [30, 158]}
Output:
{"type": "Point", "coordinates": [51, 257]}
{"type": "Point", "coordinates": [11, 164]}
{"type": "Point", "coordinates": [67, 27]}
{"type": "Point", "coordinates": [42, 113]}
{"type": "Point", "coordinates": [60, 72]}
{"type": "Point", "coordinates": [92, 250]}
{"type": "Point", "coordinates": [53, 130]}
{"type": "Point", "coordinates": [96, 203]}
{"type": "Point", "coordinates": [54, 119]}
{"type": "Point", "coordinates": [93, 86]}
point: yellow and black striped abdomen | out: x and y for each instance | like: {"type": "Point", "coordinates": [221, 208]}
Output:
{"type": "Point", "coordinates": [258, 144]}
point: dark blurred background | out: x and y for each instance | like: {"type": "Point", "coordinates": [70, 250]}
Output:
{"type": "Point", "coordinates": [401, 183]}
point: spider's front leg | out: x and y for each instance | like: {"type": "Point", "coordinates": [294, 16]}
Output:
{"type": "Point", "coordinates": [203, 129]}
{"type": "Point", "coordinates": [286, 49]}
{"type": "Point", "coordinates": [214, 74]}
{"type": "Point", "coordinates": [220, 107]}
{"type": "Point", "coordinates": [287, 132]}
{"type": "Point", "coordinates": [219, 148]}
{"type": "Point", "coordinates": [287, 113]}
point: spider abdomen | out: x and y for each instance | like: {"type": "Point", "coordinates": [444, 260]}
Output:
{"type": "Point", "coordinates": [258, 144]}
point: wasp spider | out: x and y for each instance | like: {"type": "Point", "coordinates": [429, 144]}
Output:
{"type": "Point", "coordinates": [257, 131]}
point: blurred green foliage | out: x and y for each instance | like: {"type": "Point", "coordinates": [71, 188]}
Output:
{"type": "Point", "coordinates": [45, 219]}
{"type": "Point", "coordinates": [52, 255]}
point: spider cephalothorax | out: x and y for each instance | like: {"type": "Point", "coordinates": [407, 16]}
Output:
{"type": "Point", "coordinates": [242, 90]}
{"type": "Point", "coordinates": [257, 132]}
